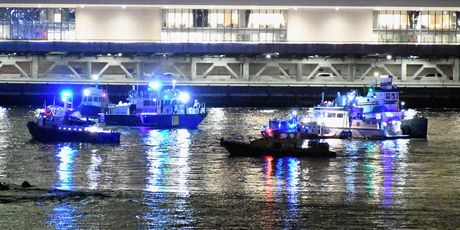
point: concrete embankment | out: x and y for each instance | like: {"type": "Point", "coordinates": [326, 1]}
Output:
{"type": "Point", "coordinates": [226, 96]}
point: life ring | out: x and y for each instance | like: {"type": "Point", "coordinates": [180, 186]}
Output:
{"type": "Point", "coordinates": [358, 124]}
{"type": "Point", "coordinates": [48, 112]}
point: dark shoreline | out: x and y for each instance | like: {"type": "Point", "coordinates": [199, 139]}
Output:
{"type": "Point", "coordinates": [231, 96]}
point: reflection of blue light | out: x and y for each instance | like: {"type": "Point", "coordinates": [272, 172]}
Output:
{"type": "Point", "coordinates": [66, 163]}
{"type": "Point", "coordinates": [168, 169]}
{"type": "Point", "coordinates": [289, 166]}
{"type": "Point", "coordinates": [387, 178]}
{"type": "Point", "coordinates": [64, 215]}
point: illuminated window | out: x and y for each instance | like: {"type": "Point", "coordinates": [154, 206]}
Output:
{"type": "Point", "coordinates": [37, 23]}
{"type": "Point", "coordinates": [417, 26]}
{"type": "Point", "coordinates": [200, 25]}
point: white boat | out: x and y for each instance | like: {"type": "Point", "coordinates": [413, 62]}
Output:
{"type": "Point", "coordinates": [94, 101]}
{"type": "Point", "coordinates": [378, 115]}
{"type": "Point", "coordinates": [156, 108]}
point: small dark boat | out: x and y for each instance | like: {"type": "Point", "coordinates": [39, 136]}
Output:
{"type": "Point", "coordinates": [276, 147]}
{"type": "Point", "coordinates": [54, 125]}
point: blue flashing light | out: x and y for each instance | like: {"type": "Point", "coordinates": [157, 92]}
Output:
{"type": "Point", "coordinates": [155, 85]}
{"type": "Point", "coordinates": [184, 97]}
{"type": "Point", "coordinates": [66, 94]}
{"type": "Point", "coordinates": [292, 125]}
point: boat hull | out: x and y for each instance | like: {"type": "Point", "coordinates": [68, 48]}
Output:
{"type": "Point", "coordinates": [156, 121]}
{"type": "Point", "coordinates": [91, 110]}
{"type": "Point", "coordinates": [48, 134]}
{"type": "Point", "coordinates": [416, 127]}
{"type": "Point", "coordinates": [245, 149]}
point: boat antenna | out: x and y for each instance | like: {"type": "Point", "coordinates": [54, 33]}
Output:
{"type": "Point", "coordinates": [54, 100]}
{"type": "Point", "coordinates": [322, 97]}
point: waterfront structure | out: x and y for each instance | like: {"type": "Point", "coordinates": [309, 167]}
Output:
{"type": "Point", "coordinates": [314, 43]}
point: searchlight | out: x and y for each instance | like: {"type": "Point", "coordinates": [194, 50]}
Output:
{"type": "Point", "coordinates": [86, 92]}
{"type": "Point", "coordinates": [184, 97]}
{"type": "Point", "coordinates": [155, 85]}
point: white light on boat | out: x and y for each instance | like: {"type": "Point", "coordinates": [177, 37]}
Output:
{"type": "Point", "coordinates": [294, 113]}
{"type": "Point", "coordinates": [93, 129]}
{"type": "Point", "coordinates": [305, 120]}
{"type": "Point", "coordinates": [95, 77]}
{"type": "Point", "coordinates": [86, 92]}
{"type": "Point", "coordinates": [184, 97]}
{"type": "Point", "coordinates": [155, 85]}
{"type": "Point", "coordinates": [403, 103]}
{"type": "Point", "coordinates": [389, 57]}
{"type": "Point", "coordinates": [409, 114]}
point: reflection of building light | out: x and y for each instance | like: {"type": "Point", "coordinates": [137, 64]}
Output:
{"type": "Point", "coordinates": [94, 172]}
{"type": "Point", "coordinates": [167, 163]}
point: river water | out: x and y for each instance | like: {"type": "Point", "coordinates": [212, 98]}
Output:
{"type": "Point", "coordinates": [183, 178]}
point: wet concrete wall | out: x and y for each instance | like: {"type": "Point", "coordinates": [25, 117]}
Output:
{"type": "Point", "coordinates": [228, 96]}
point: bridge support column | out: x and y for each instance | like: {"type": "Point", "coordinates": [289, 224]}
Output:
{"type": "Point", "coordinates": [351, 72]}
{"type": "Point", "coordinates": [34, 68]}
{"type": "Point", "coordinates": [140, 70]}
{"type": "Point", "coordinates": [403, 70]}
{"type": "Point", "coordinates": [299, 72]}
{"type": "Point", "coordinates": [89, 70]}
{"type": "Point", "coordinates": [246, 71]}
{"type": "Point", "coordinates": [192, 68]}
{"type": "Point", "coordinates": [456, 73]}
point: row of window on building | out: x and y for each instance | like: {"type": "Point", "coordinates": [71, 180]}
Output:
{"type": "Point", "coordinates": [37, 23]}
{"type": "Point", "coordinates": [224, 25]}
{"type": "Point", "coordinates": [417, 26]}
{"type": "Point", "coordinates": [232, 25]}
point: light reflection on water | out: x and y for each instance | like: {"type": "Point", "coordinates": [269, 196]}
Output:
{"type": "Point", "coordinates": [64, 215]}
{"type": "Point", "coordinates": [4, 128]}
{"type": "Point", "coordinates": [179, 178]}
{"type": "Point", "coordinates": [167, 173]}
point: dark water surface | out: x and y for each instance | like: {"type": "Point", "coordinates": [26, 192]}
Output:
{"type": "Point", "coordinates": [182, 178]}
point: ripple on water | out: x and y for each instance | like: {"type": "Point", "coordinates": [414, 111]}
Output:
{"type": "Point", "coordinates": [183, 178]}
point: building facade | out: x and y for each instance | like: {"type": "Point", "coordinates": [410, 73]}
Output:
{"type": "Point", "coordinates": [261, 22]}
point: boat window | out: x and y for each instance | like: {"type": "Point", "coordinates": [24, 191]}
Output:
{"type": "Point", "coordinates": [96, 99]}
{"type": "Point", "coordinates": [393, 96]}
{"type": "Point", "coordinates": [90, 98]}
{"type": "Point", "coordinates": [147, 103]}
{"type": "Point", "coordinates": [330, 114]}
{"type": "Point", "coordinates": [340, 115]}
{"type": "Point", "coordinates": [85, 98]}
{"type": "Point", "coordinates": [388, 96]}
